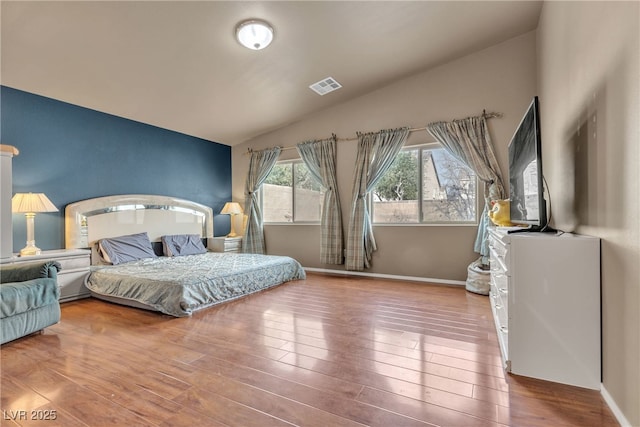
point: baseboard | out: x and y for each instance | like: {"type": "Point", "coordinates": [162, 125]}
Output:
{"type": "Point", "coordinates": [386, 276]}
{"type": "Point", "coordinates": [614, 408]}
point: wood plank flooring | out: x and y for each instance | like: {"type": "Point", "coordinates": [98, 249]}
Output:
{"type": "Point", "coordinates": [326, 351]}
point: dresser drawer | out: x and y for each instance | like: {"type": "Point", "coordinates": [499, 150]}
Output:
{"type": "Point", "coordinates": [500, 281]}
{"type": "Point", "coordinates": [498, 246]}
{"type": "Point", "coordinates": [502, 311]}
{"type": "Point", "coordinates": [72, 285]}
{"type": "Point", "coordinates": [74, 263]}
{"type": "Point", "coordinates": [226, 244]}
{"type": "Point", "coordinates": [499, 255]}
{"type": "Point", "coordinates": [501, 320]}
{"type": "Point", "coordinates": [503, 338]}
{"type": "Point", "coordinates": [233, 245]}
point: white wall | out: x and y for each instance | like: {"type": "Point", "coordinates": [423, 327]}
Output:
{"type": "Point", "coordinates": [588, 79]}
{"type": "Point", "coordinates": [501, 78]}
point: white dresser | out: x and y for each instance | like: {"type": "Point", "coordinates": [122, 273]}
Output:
{"type": "Point", "coordinates": [75, 265]}
{"type": "Point", "coordinates": [545, 298]}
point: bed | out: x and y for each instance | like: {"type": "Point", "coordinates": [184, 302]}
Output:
{"type": "Point", "coordinates": [130, 236]}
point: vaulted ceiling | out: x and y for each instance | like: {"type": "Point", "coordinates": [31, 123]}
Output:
{"type": "Point", "coordinates": [177, 65]}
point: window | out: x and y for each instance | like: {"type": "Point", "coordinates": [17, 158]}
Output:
{"type": "Point", "coordinates": [290, 194]}
{"type": "Point", "coordinates": [425, 185]}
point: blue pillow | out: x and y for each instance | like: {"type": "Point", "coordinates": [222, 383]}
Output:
{"type": "Point", "coordinates": [132, 247]}
{"type": "Point", "coordinates": [182, 244]}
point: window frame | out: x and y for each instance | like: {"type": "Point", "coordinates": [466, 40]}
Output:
{"type": "Point", "coordinates": [420, 223]}
{"type": "Point", "coordinates": [292, 163]}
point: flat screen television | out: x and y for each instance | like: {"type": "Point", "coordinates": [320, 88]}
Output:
{"type": "Point", "coordinates": [526, 190]}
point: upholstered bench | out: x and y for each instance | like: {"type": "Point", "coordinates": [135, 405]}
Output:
{"type": "Point", "coordinates": [28, 298]}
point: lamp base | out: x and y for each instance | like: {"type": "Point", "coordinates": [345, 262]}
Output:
{"type": "Point", "coordinates": [232, 232]}
{"type": "Point", "coordinates": [30, 250]}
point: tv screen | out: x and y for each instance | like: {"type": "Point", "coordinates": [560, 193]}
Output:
{"type": "Point", "coordinates": [528, 206]}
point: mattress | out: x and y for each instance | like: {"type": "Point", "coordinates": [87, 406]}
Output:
{"type": "Point", "coordinates": [178, 286]}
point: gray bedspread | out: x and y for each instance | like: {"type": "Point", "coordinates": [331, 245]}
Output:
{"type": "Point", "coordinates": [180, 285]}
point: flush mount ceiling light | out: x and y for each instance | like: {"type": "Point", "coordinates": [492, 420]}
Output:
{"type": "Point", "coordinates": [254, 34]}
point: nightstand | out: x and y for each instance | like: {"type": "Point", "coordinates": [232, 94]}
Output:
{"type": "Point", "coordinates": [75, 267]}
{"type": "Point", "coordinates": [226, 244]}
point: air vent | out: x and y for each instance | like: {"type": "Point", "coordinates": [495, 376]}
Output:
{"type": "Point", "coordinates": [325, 86]}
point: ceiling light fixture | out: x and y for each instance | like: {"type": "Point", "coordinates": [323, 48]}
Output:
{"type": "Point", "coordinates": [254, 34]}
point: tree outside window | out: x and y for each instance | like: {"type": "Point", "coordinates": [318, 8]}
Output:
{"type": "Point", "coordinates": [447, 189]}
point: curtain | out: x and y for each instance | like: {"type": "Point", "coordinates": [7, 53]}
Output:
{"type": "Point", "coordinates": [376, 153]}
{"type": "Point", "coordinates": [468, 140]}
{"type": "Point", "coordinates": [320, 158]}
{"type": "Point", "coordinates": [260, 166]}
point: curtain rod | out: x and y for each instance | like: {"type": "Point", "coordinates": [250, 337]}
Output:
{"type": "Point", "coordinates": [484, 114]}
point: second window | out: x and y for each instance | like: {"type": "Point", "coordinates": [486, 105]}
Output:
{"type": "Point", "coordinates": [290, 194]}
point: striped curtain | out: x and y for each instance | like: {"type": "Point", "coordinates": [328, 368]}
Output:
{"type": "Point", "coordinates": [260, 166]}
{"type": "Point", "coordinates": [376, 153]}
{"type": "Point", "coordinates": [320, 158]}
{"type": "Point", "coordinates": [468, 140]}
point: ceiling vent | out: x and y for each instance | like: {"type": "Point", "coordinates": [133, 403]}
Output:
{"type": "Point", "coordinates": [325, 86]}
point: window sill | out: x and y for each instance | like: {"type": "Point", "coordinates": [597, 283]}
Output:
{"type": "Point", "coordinates": [444, 224]}
{"type": "Point", "coordinates": [291, 223]}
{"type": "Point", "coordinates": [415, 224]}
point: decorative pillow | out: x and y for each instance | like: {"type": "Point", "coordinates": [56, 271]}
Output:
{"type": "Point", "coordinates": [132, 247]}
{"type": "Point", "coordinates": [182, 244]}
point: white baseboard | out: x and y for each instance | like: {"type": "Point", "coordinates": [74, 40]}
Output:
{"type": "Point", "coordinates": [386, 276]}
{"type": "Point", "coordinates": [614, 408]}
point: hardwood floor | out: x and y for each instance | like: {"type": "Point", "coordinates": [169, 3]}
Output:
{"type": "Point", "coordinates": [326, 351]}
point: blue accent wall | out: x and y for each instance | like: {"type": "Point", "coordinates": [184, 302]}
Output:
{"type": "Point", "coordinates": [72, 153]}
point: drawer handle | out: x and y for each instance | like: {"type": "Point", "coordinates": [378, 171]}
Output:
{"type": "Point", "coordinates": [504, 329]}
{"type": "Point", "coordinates": [498, 307]}
{"type": "Point", "coordinates": [503, 290]}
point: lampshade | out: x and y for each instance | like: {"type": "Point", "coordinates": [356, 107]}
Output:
{"type": "Point", "coordinates": [254, 34]}
{"type": "Point", "coordinates": [231, 208]}
{"type": "Point", "coordinates": [31, 203]}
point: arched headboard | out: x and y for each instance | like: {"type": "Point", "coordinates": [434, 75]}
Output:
{"type": "Point", "coordinates": [88, 221]}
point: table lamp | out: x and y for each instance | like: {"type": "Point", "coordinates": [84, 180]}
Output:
{"type": "Point", "coordinates": [30, 204]}
{"type": "Point", "coordinates": [233, 209]}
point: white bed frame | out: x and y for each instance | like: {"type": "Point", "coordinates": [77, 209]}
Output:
{"type": "Point", "coordinates": [90, 220]}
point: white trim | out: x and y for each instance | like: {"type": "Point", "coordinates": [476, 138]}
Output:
{"type": "Point", "coordinates": [387, 276]}
{"type": "Point", "coordinates": [614, 408]}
